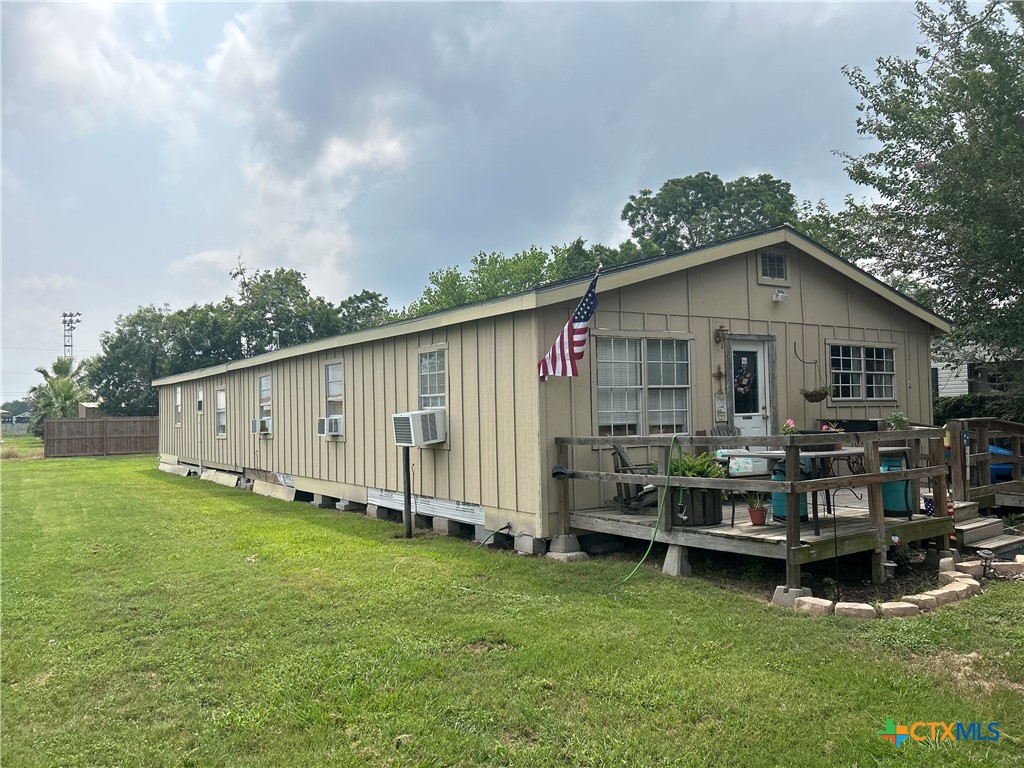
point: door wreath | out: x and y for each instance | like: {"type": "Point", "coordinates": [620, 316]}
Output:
{"type": "Point", "coordinates": [744, 381]}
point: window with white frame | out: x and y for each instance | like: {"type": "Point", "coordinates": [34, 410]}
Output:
{"type": "Point", "coordinates": [177, 406]}
{"type": "Point", "coordinates": [266, 399]}
{"type": "Point", "coordinates": [862, 372]}
{"type": "Point", "coordinates": [643, 386]}
{"type": "Point", "coordinates": [432, 379]}
{"type": "Point", "coordinates": [220, 412]}
{"type": "Point", "coordinates": [333, 375]}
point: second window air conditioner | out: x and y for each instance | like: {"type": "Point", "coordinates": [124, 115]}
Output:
{"type": "Point", "coordinates": [419, 427]}
{"type": "Point", "coordinates": [330, 426]}
{"type": "Point", "coordinates": [260, 426]}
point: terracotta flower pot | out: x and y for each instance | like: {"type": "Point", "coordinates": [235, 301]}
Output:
{"type": "Point", "coordinates": [758, 516]}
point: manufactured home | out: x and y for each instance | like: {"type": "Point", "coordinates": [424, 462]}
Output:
{"type": "Point", "coordinates": [729, 333]}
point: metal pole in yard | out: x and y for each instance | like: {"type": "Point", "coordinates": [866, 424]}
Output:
{"type": "Point", "coordinates": [407, 516]}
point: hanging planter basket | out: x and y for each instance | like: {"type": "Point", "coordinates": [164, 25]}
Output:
{"type": "Point", "coordinates": [815, 395]}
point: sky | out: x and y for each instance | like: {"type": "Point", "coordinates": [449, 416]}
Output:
{"type": "Point", "coordinates": [149, 147]}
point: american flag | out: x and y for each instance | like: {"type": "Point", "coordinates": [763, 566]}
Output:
{"type": "Point", "coordinates": [568, 347]}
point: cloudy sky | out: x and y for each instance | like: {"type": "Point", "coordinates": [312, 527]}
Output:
{"type": "Point", "coordinates": [146, 146]}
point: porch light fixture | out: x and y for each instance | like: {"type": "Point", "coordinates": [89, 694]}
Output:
{"type": "Point", "coordinates": [720, 334]}
{"type": "Point", "coordinates": [780, 295]}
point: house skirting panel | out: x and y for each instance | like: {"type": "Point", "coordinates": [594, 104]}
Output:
{"type": "Point", "coordinates": [473, 514]}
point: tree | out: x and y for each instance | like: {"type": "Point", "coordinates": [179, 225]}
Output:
{"type": "Point", "coordinates": [367, 309]}
{"type": "Point", "coordinates": [275, 309]}
{"type": "Point", "coordinates": [131, 356]}
{"type": "Point", "coordinates": [950, 169]}
{"type": "Point", "coordinates": [16, 407]}
{"type": "Point", "coordinates": [494, 274]}
{"type": "Point", "coordinates": [695, 210]}
{"type": "Point", "coordinates": [59, 394]}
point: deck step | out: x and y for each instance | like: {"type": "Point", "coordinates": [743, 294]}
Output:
{"type": "Point", "coordinates": [1000, 544]}
{"type": "Point", "coordinates": [978, 529]}
{"type": "Point", "coordinates": [965, 510]}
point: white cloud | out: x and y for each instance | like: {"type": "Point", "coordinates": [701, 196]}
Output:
{"type": "Point", "coordinates": [213, 260]}
{"type": "Point", "coordinates": [79, 65]}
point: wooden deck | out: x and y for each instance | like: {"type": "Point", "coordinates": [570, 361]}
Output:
{"type": "Point", "coordinates": [846, 532]}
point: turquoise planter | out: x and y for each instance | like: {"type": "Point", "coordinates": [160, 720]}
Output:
{"type": "Point", "coordinates": [779, 499]}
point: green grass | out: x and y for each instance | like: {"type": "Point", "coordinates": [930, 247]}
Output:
{"type": "Point", "coordinates": [155, 620]}
{"type": "Point", "coordinates": [21, 447]}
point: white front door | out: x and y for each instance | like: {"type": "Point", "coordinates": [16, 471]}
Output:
{"type": "Point", "coordinates": [750, 395]}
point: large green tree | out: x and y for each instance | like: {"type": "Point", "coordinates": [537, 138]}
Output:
{"type": "Point", "coordinates": [949, 170]}
{"type": "Point", "coordinates": [367, 309]}
{"type": "Point", "coordinates": [275, 309]}
{"type": "Point", "coordinates": [131, 355]}
{"type": "Point", "coordinates": [694, 210]}
{"type": "Point", "coordinates": [58, 396]}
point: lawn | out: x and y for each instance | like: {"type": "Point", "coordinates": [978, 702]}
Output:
{"type": "Point", "coordinates": [154, 620]}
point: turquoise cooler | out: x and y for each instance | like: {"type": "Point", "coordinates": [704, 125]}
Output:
{"type": "Point", "coordinates": [896, 496]}
{"type": "Point", "coordinates": [779, 499]}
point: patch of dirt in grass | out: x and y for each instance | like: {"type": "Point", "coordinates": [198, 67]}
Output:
{"type": "Point", "coordinates": [41, 679]}
{"type": "Point", "coordinates": [519, 740]}
{"type": "Point", "coordinates": [968, 671]}
{"type": "Point", "coordinates": [483, 646]}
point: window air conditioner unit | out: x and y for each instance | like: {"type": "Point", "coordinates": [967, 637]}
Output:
{"type": "Point", "coordinates": [419, 427]}
{"type": "Point", "coordinates": [260, 426]}
{"type": "Point", "coordinates": [330, 426]}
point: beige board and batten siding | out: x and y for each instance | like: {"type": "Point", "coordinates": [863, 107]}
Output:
{"type": "Point", "coordinates": [690, 303]}
{"type": "Point", "coordinates": [491, 457]}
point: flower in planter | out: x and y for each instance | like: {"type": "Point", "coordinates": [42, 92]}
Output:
{"type": "Point", "coordinates": [831, 427]}
{"type": "Point", "coordinates": [897, 421]}
{"type": "Point", "coordinates": [789, 427]}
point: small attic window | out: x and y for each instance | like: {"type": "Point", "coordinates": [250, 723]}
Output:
{"type": "Point", "coordinates": [773, 268]}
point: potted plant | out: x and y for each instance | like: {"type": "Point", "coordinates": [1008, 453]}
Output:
{"type": "Point", "coordinates": [757, 506]}
{"type": "Point", "coordinates": [817, 394]}
{"type": "Point", "coordinates": [897, 421]}
{"type": "Point", "coordinates": [700, 506]}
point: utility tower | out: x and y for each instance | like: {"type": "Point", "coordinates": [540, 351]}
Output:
{"type": "Point", "coordinates": [69, 320]}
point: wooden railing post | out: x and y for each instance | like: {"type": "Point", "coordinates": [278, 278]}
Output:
{"type": "Point", "coordinates": [792, 517]}
{"type": "Point", "coordinates": [913, 459]}
{"type": "Point", "coordinates": [939, 494]}
{"type": "Point", "coordinates": [876, 509]}
{"type": "Point", "coordinates": [666, 492]}
{"type": "Point", "coordinates": [958, 459]}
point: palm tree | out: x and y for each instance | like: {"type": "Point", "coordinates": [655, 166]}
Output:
{"type": "Point", "coordinates": [59, 394]}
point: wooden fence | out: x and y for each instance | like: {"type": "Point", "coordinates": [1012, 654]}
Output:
{"type": "Point", "coordinates": [101, 436]}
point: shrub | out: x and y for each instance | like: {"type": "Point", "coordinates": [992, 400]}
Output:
{"type": "Point", "coordinates": [993, 406]}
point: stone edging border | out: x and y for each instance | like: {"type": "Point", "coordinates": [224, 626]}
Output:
{"type": "Point", "coordinates": [960, 581]}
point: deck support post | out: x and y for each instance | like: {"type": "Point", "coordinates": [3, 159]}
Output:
{"type": "Point", "coordinates": [677, 561]}
{"type": "Point", "coordinates": [792, 517]}
{"type": "Point", "coordinates": [876, 511]}
{"type": "Point", "coordinates": [562, 457]}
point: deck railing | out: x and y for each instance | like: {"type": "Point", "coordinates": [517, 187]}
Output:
{"type": "Point", "coordinates": [923, 445]}
{"type": "Point", "coordinates": [971, 461]}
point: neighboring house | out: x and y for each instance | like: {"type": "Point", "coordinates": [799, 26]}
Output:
{"type": "Point", "coordinates": [950, 380]}
{"type": "Point", "coordinates": [724, 333]}
{"type": "Point", "coordinates": [23, 418]}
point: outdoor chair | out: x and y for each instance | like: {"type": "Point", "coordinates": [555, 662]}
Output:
{"type": "Point", "coordinates": [633, 495]}
{"type": "Point", "coordinates": [726, 430]}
